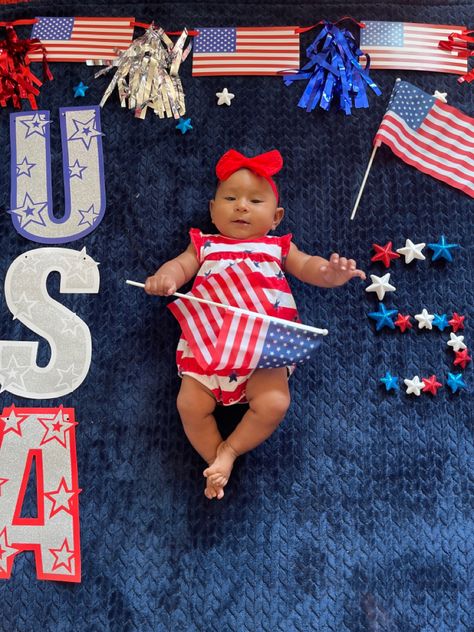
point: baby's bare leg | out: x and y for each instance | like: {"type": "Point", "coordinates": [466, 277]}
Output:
{"type": "Point", "coordinates": [268, 396]}
{"type": "Point", "coordinates": [195, 405]}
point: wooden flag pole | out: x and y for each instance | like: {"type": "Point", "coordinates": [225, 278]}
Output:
{"type": "Point", "coordinates": [361, 190]}
{"type": "Point", "coordinates": [273, 319]}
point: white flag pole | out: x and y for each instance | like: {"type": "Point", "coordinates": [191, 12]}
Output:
{"type": "Point", "coordinates": [354, 210]}
{"type": "Point", "coordinates": [273, 319]}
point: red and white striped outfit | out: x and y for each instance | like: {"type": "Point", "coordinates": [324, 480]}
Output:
{"type": "Point", "coordinates": [266, 257]}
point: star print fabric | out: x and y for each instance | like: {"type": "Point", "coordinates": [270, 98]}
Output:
{"type": "Point", "coordinates": [265, 258]}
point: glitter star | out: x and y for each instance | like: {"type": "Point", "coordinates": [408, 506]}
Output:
{"type": "Point", "coordinates": [12, 421]}
{"type": "Point", "coordinates": [85, 131]}
{"type": "Point", "coordinates": [384, 254]}
{"type": "Point", "coordinates": [462, 358]}
{"type": "Point", "coordinates": [63, 557]}
{"type": "Point", "coordinates": [380, 285]}
{"type": "Point", "coordinates": [414, 386]}
{"type": "Point", "coordinates": [89, 217]}
{"type": "Point", "coordinates": [425, 320]}
{"type": "Point", "coordinates": [403, 322]}
{"type": "Point", "coordinates": [412, 251]}
{"type": "Point", "coordinates": [24, 168]}
{"type": "Point", "coordinates": [442, 250]}
{"type": "Point", "coordinates": [184, 125]}
{"type": "Point", "coordinates": [62, 498]}
{"type": "Point", "coordinates": [6, 552]}
{"type": "Point", "coordinates": [36, 125]}
{"type": "Point", "coordinates": [431, 385]}
{"type": "Point", "coordinates": [30, 211]}
{"type": "Point", "coordinates": [80, 90]}
{"type": "Point", "coordinates": [56, 427]}
{"type": "Point", "coordinates": [457, 321]}
{"type": "Point", "coordinates": [75, 170]}
{"type": "Point", "coordinates": [383, 318]}
{"type": "Point", "coordinates": [224, 97]}
{"type": "Point", "coordinates": [455, 382]}
{"type": "Point", "coordinates": [391, 382]}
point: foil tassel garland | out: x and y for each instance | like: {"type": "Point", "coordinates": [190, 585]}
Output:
{"type": "Point", "coordinates": [151, 63]}
{"type": "Point", "coordinates": [334, 72]}
{"type": "Point", "coordinates": [17, 81]}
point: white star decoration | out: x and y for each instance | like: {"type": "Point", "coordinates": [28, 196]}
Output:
{"type": "Point", "coordinates": [456, 342]}
{"type": "Point", "coordinates": [441, 96]}
{"type": "Point", "coordinates": [425, 320]}
{"type": "Point", "coordinates": [414, 386]}
{"type": "Point", "coordinates": [412, 251]}
{"type": "Point", "coordinates": [224, 97]}
{"type": "Point", "coordinates": [380, 285]}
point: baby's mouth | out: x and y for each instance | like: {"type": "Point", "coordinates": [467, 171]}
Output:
{"type": "Point", "coordinates": [239, 221]}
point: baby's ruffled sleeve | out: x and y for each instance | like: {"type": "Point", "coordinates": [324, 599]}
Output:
{"type": "Point", "coordinates": [197, 240]}
{"type": "Point", "coordinates": [285, 243]}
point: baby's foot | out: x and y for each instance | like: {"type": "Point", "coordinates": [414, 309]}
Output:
{"type": "Point", "coordinates": [213, 491]}
{"type": "Point", "coordinates": [218, 472]}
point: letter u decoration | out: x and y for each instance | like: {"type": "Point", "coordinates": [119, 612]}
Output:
{"type": "Point", "coordinates": [83, 171]}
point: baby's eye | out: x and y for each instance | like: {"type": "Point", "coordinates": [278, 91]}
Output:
{"type": "Point", "coordinates": [229, 198]}
{"type": "Point", "coordinates": [256, 201]}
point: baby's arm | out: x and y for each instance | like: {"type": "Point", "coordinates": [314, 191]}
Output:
{"type": "Point", "coordinates": [318, 271]}
{"type": "Point", "coordinates": [174, 273]}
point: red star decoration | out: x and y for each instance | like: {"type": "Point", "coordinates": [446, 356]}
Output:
{"type": "Point", "coordinates": [384, 254]}
{"type": "Point", "coordinates": [403, 322]}
{"type": "Point", "coordinates": [431, 385]}
{"type": "Point", "coordinates": [462, 358]}
{"type": "Point", "coordinates": [457, 321]}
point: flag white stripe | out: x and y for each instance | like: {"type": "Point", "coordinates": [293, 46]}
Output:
{"type": "Point", "coordinates": [446, 114]}
{"type": "Point", "coordinates": [226, 56]}
{"type": "Point", "coordinates": [245, 342]}
{"type": "Point", "coordinates": [229, 341]}
{"type": "Point", "coordinates": [408, 65]}
{"type": "Point", "coordinates": [196, 333]}
{"type": "Point", "coordinates": [442, 161]}
{"type": "Point", "coordinates": [231, 63]}
{"type": "Point", "coordinates": [256, 304]}
{"type": "Point", "coordinates": [379, 50]}
{"type": "Point", "coordinates": [430, 162]}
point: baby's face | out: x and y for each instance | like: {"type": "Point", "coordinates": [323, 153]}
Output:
{"type": "Point", "coordinates": [245, 206]}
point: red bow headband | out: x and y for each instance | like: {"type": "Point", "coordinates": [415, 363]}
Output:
{"type": "Point", "coordinates": [264, 165]}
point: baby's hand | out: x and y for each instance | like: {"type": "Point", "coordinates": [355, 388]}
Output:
{"type": "Point", "coordinates": [160, 284]}
{"type": "Point", "coordinates": [340, 270]}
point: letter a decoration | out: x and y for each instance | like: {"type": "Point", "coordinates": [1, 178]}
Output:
{"type": "Point", "coordinates": [45, 438]}
{"type": "Point", "coordinates": [83, 172]}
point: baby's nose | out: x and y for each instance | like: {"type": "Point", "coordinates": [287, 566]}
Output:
{"type": "Point", "coordinates": [241, 205]}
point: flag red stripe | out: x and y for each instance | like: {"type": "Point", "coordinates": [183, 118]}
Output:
{"type": "Point", "coordinates": [465, 157]}
{"type": "Point", "coordinates": [448, 134]}
{"type": "Point", "coordinates": [455, 113]}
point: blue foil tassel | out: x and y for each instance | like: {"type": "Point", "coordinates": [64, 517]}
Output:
{"type": "Point", "coordinates": [333, 72]}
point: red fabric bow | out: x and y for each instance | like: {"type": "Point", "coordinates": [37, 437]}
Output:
{"type": "Point", "coordinates": [264, 165]}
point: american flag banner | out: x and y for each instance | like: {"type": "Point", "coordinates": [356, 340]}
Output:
{"type": "Point", "coordinates": [234, 338]}
{"type": "Point", "coordinates": [430, 135]}
{"type": "Point", "coordinates": [410, 46]}
{"type": "Point", "coordinates": [246, 51]}
{"type": "Point", "coordinates": [81, 39]}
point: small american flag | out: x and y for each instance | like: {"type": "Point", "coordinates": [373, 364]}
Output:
{"type": "Point", "coordinates": [80, 39]}
{"type": "Point", "coordinates": [246, 51]}
{"type": "Point", "coordinates": [224, 339]}
{"type": "Point", "coordinates": [410, 46]}
{"type": "Point", "coordinates": [430, 135]}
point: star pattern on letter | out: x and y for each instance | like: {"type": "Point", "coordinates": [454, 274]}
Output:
{"type": "Point", "coordinates": [2, 482]}
{"type": "Point", "coordinates": [67, 377]}
{"type": "Point", "coordinates": [24, 168]}
{"type": "Point", "coordinates": [29, 211]}
{"type": "Point", "coordinates": [63, 557]}
{"type": "Point", "coordinates": [412, 251]}
{"type": "Point", "coordinates": [56, 427]}
{"type": "Point", "coordinates": [380, 285]}
{"type": "Point", "coordinates": [6, 551]}
{"type": "Point", "coordinates": [23, 307]}
{"type": "Point", "coordinates": [63, 499]}
{"type": "Point", "coordinates": [12, 375]}
{"type": "Point", "coordinates": [456, 342]}
{"type": "Point", "coordinates": [414, 386]}
{"type": "Point", "coordinates": [89, 217]}
{"type": "Point", "coordinates": [425, 320]}
{"type": "Point", "coordinates": [85, 131]}
{"type": "Point", "coordinates": [81, 265]}
{"type": "Point", "coordinates": [11, 421]}
{"type": "Point", "coordinates": [76, 169]}
{"type": "Point", "coordinates": [36, 125]}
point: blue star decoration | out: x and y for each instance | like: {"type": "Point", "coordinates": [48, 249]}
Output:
{"type": "Point", "coordinates": [455, 382]}
{"type": "Point", "coordinates": [233, 377]}
{"type": "Point", "coordinates": [391, 383]}
{"type": "Point", "coordinates": [440, 321]}
{"type": "Point", "coordinates": [184, 125]}
{"type": "Point", "coordinates": [80, 90]}
{"type": "Point", "coordinates": [384, 317]}
{"type": "Point", "coordinates": [442, 250]}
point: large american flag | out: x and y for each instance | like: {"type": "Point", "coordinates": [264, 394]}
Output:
{"type": "Point", "coordinates": [246, 51]}
{"type": "Point", "coordinates": [223, 339]}
{"type": "Point", "coordinates": [410, 46]}
{"type": "Point", "coordinates": [430, 135]}
{"type": "Point", "coordinates": [80, 39]}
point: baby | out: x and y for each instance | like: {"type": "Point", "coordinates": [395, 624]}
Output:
{"type": "Point", "coordinates": [244, 210]}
